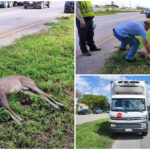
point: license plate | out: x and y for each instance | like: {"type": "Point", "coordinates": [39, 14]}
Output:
{"type": "Point", "coordinates": [128, 130]}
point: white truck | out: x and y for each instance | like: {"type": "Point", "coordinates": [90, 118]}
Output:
{"type": "Point", "coordinates": [128, 108]}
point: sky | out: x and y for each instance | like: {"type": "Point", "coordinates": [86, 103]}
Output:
{"type": "Point", "coordinates": [100, 85]}
{"type": "Point", "coordinates": [124, 3]}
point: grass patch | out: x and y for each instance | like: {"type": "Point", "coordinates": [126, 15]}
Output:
{"type": "Point", "coordinates": [116, 63]}
{"type": "Point", "coordinates": [48, 58]}
{"type": "Point", "coordinates": [93, 135]}
{"type": "Point", "coordinates": [110, 12]}
{"type": "Point", "coordinates": [50, 23]}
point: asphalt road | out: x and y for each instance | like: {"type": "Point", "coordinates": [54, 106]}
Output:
{"type": "Point", "coordinates": [132, 141]}
{"type": "Point", "coordinates": [80, 119]}
{"type": "Point", "coordinates": [17, 21]}
{"type": "Point", "coordinates": [103, 38]}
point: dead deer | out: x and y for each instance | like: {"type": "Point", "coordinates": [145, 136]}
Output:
{"type": "Point", "coordinates": [14, 84]}
{"type": "Point", "coordinates": [143, 53]}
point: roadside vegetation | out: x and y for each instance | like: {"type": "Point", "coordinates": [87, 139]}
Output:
{"type": "Point", "coordinates": [93, 135]}
{"type": "Point", "coordinates": [110, 12]}
{"type": "Point", "coordinates": [95, 101]}
{"type": "Point", "coordinates": [116, 64]}
{"type": "Point", "coordinates": [48, 58]}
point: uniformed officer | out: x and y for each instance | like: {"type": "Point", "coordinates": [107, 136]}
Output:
{"type": "Point", "coordinates": [126, 32]}
{"type": "Point", "coordinates": [84, 21]}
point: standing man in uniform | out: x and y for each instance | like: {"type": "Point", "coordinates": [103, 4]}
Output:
{"type": "Point", "coordinates": [126, 32]}
{"type": "Point", "coordinates": [84, 21]}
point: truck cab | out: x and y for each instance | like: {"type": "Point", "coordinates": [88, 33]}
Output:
{"type": "Point", "coordinates": [128, 111]}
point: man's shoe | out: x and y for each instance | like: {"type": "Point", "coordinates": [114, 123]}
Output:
{"type": "Point", "coordinates": [134, 60]}
{"type": "Point", "coordinates": [96, 49]}
{"type": "Point", "coordinates": [122, 49]}
{"type": "Point", "coordinates": [86, 54]}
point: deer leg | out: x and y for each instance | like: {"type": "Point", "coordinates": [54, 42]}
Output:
{"type": "Point", "coordinates": [5, 104]}
{"type": "Point", "coordinates": [14, 118]}
{"type": "Point", "coordinates": [54, 105]}
{"type": "Point", "coordinates": [31, 93]}
{"type": "Point", "coordinates": [36, 89]}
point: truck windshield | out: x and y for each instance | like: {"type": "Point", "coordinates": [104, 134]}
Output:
{"type": "Point", "coordinates": [128, 105]}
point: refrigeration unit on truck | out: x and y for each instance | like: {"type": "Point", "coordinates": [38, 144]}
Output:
{"type": "Point", "coordinates": [128, 111]}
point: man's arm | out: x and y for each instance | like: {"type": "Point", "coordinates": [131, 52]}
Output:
{"type": "Point", "coordinates": [79, 16]}
{"type": "Point", "coordinates": [146, 45]}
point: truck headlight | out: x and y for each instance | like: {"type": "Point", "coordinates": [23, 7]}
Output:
{"type": "Point", "coordinates": [113, 125]}
{"type": "Point", "coordinates": [143, 125]}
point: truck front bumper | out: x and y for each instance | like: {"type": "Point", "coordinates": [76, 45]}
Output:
{"type": "Point", "coordinates": [128, 127]}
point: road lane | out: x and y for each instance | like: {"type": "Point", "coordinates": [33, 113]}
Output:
{"type": "Point", "coordinates": [103, 34]}
{"type": "Point", "coordinates": [80, 119]}
{"type": "Point", "coordinates": [16, 17]}
{"type": "Point", "coordinates": [16, 22]}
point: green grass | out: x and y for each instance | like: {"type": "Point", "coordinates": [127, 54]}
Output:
{"type": "Point", "coordinates": [116, 63]}
{"type": "Point", "coordinates": [110, 6]}
{"type": "Point", "coordinates": [48, 58]}
{"type": "Point", "coordinates": [111, 12]}
{"type": "Point", "coordinates": [93, 135]}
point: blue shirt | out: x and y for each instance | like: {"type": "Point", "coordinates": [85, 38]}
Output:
{"type": "Point", "coordinates": [132, 28]}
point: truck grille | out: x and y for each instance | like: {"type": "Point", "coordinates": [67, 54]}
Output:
{"type": "Point", "coordinates": [128, 125]}
{"type": "Point", "coordinates": [126, 118]}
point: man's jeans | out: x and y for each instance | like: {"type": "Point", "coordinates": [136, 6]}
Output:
{"type": "Point", "coordinates": [132, 41]}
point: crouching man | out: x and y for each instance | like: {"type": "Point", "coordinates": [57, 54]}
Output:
{"type": "Point", "coordinates": [126, 32]}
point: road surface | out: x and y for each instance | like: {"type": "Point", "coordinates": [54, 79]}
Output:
{"type": "Point", "coordinates": [132, 141]}
{"type": "Point", "coordinates": [103, 38]}
{"type": "Point", "coordinates": [80, 119]}
{"type": "Point", "coordinates": [17, 21]}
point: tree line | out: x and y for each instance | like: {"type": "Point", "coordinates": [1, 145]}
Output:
{"type": "Point", "coordinates": [93, 101]}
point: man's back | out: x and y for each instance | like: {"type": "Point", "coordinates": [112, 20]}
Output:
{"type": "Point", "coordinates": [132, 28]}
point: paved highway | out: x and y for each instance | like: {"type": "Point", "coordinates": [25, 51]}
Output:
{"type": "Point", "coordinates": [80, 119]}
{"type": "Point", "coordinates": [132, 141]}
{"type": "Point", "coordinates": [17, 21]}
{"type": "Point", "coordinates": [103, 38]}
{"type": "Point", "coordinates": [12, 18]}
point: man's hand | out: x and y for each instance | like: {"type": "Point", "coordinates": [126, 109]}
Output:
{"type": "Point", "coordinates": [148, 56]}
{"type": "Point", "coordinates": [82, 25]}
{"type": "Point", "coordinates": [146, 45]}
{"type": "Point", "coordinates": [142, 52]}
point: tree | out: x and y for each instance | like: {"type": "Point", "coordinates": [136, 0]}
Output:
{"type": "Point", "coordinates": [95, 101]}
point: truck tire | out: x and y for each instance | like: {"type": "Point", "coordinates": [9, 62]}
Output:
{"type": "Point", "coordinates": [25, 7]}
{"type": "Point", "coordinates": [144, 133]}
{"type": "Point", "coordinates": [111, 133]}
{"type": "Point", "coordinates": [5, 4]}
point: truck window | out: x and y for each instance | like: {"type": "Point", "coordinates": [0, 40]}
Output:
{"type": "Point", "coordinates": [128, 105]}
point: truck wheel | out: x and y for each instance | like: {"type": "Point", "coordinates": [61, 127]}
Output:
{"type": "Point", "coordinates": [25, 7]}
{"type": "Point", "coordinates": [111, 133]}
{"type": "Point", "coordinates": [144, 133]}
{"type": "Point", "coordinates": [5, 4]}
